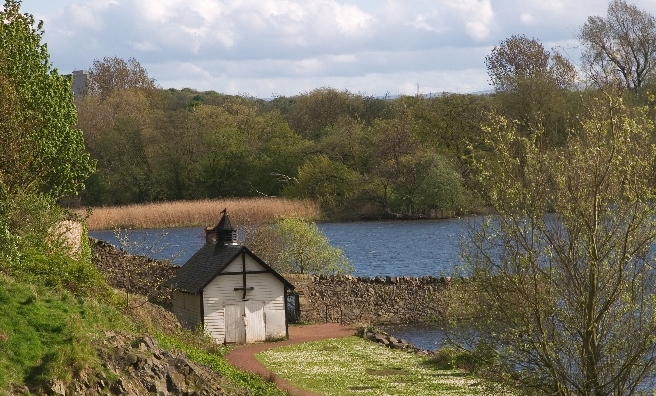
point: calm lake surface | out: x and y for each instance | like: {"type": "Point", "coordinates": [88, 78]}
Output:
{"type": "Point", "coordinates": [375, 248]}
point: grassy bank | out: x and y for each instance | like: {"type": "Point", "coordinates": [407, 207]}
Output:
{"type": "Point", "coordinates": [351, 365]}
{"type": "Point", "coordinates": [243, 212]}
{"type": "Point", "coordinates": [48, 335]}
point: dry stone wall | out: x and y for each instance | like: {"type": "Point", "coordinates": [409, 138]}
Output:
{"type": "Point", "coordinates": [339, 299]}
{"type": "Point", "coordinates": [133, 273]}
{"type": "Point", "coordinates": [362, 300]}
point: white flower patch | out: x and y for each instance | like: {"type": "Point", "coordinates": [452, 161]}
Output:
{"type": "Point", "coordinates": [351, 365]}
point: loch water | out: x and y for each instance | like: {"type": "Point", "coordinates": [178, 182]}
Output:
{"type": "Point", "coordinates": [426, 336]}
{"type": "Point", "coordinates": [375, 248]}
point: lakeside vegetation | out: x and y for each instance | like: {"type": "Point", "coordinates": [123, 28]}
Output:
{"type": "Point", "coordinates": [202, 213]}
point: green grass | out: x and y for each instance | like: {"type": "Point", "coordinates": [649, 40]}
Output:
{"type": "Point", "coordinates": [46, 334]}
{"type": "Point", "coordinates": [216, 362]}
{"type": "Point", "coordinates": [352, 365]}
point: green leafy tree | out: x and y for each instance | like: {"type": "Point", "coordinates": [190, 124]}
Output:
{"type": "Point", "coordinates": [224, 156]}
{"type": "Point", "coordinates": [42, 159]}
{"type": "Point", "coordinates": [402, 163]}
{"type": "Point", "coordinates": [329, 183]}
{"type": "Point", "coordinates": [42, 151]}
{"type": "Point", "coordinates": [564, 272]}
{"type": "Point", "coordinates": [120, 102]}
{"type": "Point", "coordinates": [279, 153]}
{"type": "Point", "coordinates": [126, 163]}
{"type": "Point", "coordinates": [315, 112]}
{"type": "Point", "coordinates": [442, 188]}
{"type": "Point", "coordinates": [297, 246]}
{"type": "Point", "coordinates": [351, 143]}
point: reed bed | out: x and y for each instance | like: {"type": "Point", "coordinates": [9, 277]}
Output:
{"type": "Point", "coordinates": [242, 211]}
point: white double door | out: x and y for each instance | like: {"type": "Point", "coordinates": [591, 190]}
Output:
{"type": "Point", "coordinates": [245, 322]}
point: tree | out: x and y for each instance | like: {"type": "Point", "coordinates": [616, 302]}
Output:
{"type": "Point", "coordinates": [42, 159]}
{"type": "Point", "coordinates": [297, 246]}
{"type": "Point", "coordinates": [114, 73]}
{"type": "Point", "coordinates": [519, 58]}
{"type": "Point", "coordinates": [125, 164]}
{"type": "Point", "coordinates": [564, 272]}
{"type": "Point", "coordinates": [442, 188]}
{"type": "Point", "coordinates": [280, 152]}
{"type": "Point", "coordinates": [532, 85]}
{"type": "Point", "coordinates": [620, 47]}
{"type": "Point", "coordinates": [119, 134]}
{"type": "Point", "coordinates": [329, 183]}
{"type": "Point", "coordinates": [313, 112]}
{"type": "Point", "coordinates": [403, 163]}
{"type": "Point", "coordinates": [41, 149]}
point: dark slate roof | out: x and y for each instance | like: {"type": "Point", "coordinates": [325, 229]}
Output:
{"type": "Point", "coordinates": [207, 263]}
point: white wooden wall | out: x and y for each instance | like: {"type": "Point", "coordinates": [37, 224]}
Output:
{"type": "Point", "coordinates": [186, 308]}
{"type": "Point", "coordinates": [264, 311]}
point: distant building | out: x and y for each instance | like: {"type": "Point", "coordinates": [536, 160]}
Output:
{"type": "Point", "coordinates": [80, 80]}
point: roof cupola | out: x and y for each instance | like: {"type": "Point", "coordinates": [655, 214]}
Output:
{"type": "Point", "coordinates": [226, 235]}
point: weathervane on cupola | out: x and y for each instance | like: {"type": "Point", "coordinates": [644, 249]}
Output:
{"type": "Point", "coordinates": [225, 234]}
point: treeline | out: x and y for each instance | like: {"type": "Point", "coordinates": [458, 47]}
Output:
{"type": "Point", "coordinates": [355, 155]}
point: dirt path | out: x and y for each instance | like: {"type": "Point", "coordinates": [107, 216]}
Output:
{"type": "Point", "coordinates": [244, 359]}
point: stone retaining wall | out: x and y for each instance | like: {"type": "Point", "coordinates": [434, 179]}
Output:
{"type": "Point", "coordinates": [361, 300]}
{"type": "Point", "coordinates": [133, 273]}
{"type": "Point", "coordinates": [339, 299]}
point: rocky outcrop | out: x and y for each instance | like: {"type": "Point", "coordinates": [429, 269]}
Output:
{"type": "Point", "coordinates": [389, 341]}
{"type": "Point", "coordinates": [138, 366]}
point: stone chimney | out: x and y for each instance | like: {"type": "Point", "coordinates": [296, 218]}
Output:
{"type": "Point", "coordinates": [210, 235]}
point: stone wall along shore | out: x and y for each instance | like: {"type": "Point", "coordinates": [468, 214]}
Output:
{"type": "Point", "coordinates": [338, 299]}
{"type": "Point", "coordinates": [380, 300]}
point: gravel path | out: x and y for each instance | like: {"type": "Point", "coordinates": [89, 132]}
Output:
{"type": "Point", "coordinates": [243, 357]}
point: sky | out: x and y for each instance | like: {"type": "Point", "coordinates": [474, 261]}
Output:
{"type": "Point", "coordinates": [269, 48]}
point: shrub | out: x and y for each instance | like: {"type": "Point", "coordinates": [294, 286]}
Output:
{"type": "Point", "coordinates": [35, 247]}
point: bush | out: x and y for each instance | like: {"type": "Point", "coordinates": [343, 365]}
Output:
{"type": "Point", "coordinates": [36, 246]}
{"type": "Point", "coordinates": [449, 358]}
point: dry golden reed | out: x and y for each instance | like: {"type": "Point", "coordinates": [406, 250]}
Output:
{"type": "Point", "coordinates": [242, 211]}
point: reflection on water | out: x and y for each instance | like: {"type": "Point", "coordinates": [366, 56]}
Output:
{"type": "Point", "coordinates": [380, 248]}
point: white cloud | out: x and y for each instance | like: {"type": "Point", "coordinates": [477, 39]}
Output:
{"type": "Point", "coordinates": [352, 22]}
{"type": "Point", "coordinates": [308, 67]}
{"type": "Point", "coordinates": [159, 11]}
{"type": "Point", "coordinates": [88, 15]}
{"type": "Point", "coordinates": [477, 15]}
{"type": "Point", "coordinates": [291, 46]}
{"type": "Point", "coordinates": [527, 19]}
{"type": "Point", "coordinates": [429, 22]}
{"type": "Point", "coordinates": [144, 46]}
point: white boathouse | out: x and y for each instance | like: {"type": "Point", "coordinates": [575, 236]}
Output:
{"type": "Point", "coordinates": [229, 291]}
